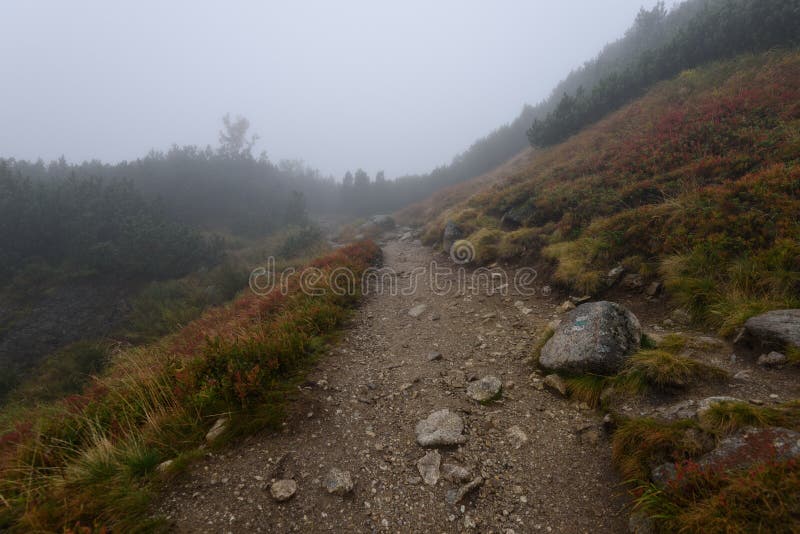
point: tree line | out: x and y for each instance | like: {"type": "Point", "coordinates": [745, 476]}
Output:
{"type": "Point", "coordinates": [716, 29]}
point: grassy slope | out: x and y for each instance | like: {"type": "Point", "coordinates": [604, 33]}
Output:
{"type": "Point", "coordinates": [697, 182]}
{"type": "Point", "coordinates": [90, 460]}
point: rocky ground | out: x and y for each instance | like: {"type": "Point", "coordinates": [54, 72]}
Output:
{"type": "Point", "coordinates": [349, 458]}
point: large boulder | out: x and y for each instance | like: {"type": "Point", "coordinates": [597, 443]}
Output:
{"type": "Point", "coordinates": [450, 235]}
{"type": "Point", "coordinates": [596, 337]}
{"type": "Point", "coordinates": [779, 328]}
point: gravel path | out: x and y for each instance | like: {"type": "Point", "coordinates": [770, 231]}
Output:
{"type": "Point", "coordinates": [359, 414]}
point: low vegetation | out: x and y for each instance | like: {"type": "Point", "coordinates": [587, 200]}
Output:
{"type": "Point", "coordinates": [763, 498]}
{"type": "Point", "coordinates": [719, 29]}
{"type": "Point", "coordinates": [90, 460]}
{"type": "Point", "coordinates": [653, 368]}
{"type": "Point", "coordinates": [670, 187]}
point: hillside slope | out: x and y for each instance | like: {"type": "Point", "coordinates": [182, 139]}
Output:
{"type": "Point", "coordinates": [696, 183]}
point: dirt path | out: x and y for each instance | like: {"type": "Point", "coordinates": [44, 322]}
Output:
{"type": "Point", "coordinates": [360, 416]}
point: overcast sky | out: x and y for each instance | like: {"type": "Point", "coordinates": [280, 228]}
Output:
{"type": "Point", "coordinates": [400, 86]}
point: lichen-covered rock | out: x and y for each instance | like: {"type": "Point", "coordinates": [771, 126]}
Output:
{"type": "Point", "coordinates": [596, 337]}
{"type": "Point", "coordinates": [283, 490]}
{"type": "Point", "coordinates": [485, 390]}
{"type": "Point", "coordinates": [428, 467]}
{"type": "Point", "coordinates": [773, 359]}
{"type": "Point", "coordinates": [777, 328]}
{"type": "Point", "coordinates": [338, 482]}
{"type": "Point", "coordinates": [441, 429]}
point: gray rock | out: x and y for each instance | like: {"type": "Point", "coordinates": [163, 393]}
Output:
{"type": "Point", "coordinates": [773, 359]}
{"type": "Point", "coordinates": [517, 436]}
{"type": "Point", "coordinates": [216, 431]}
{"type": "Point", "coordinates": [456, 495]}
{"type": "Point", "coordinates": [705, 405]}
{"type": "Point", "coordinates": [283, 490]}
{"type": "Point", "coordinates": [556, 383]}
{"type": "Point", "coordinates": [775, 328]}
{"type": "Point", "coordinates": [686, 409]}
{"type": "Point", "coordinates": [441, 429]}
{"type": "Point", "coordinates": [654, 289]}
{"type": "Point", "coordinates": [428, 467]}
{"type": "Point", "coordinates": [596, 337]}
{"type": "Point", "coordinates": [455, 473]}
{"type": "Point", "coordinates": [165, 466]}
{"type": "Point", "coordinates": [450, 235]}
{"type": "Point", "coordinates": [417, 310]}
{"type": "Point", "coordinates": [338, 482]}
{"type": "Point", "coordinates": [485, 390]}
{"type": "Point", "coordinates": [633, 281]}
{"type": "Point", "coordinates": [434, 356]}
{"type": "Point", "coordinates": [614, 275]}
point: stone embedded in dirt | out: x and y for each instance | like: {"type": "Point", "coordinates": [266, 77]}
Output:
{"type": "Point", "coordinates": [680, 316]}
{"type": "Point", "coordinates": [456, 495]}
{"type": "Point", "coordinates": [517, 436]}
{"type": "Point", "coordinates": [685, 409]}
{"type": "Point", "coordinates": [164, 466]}
{"type": "Point", "coordinates": [442, 428]}
{"type": "Point", "coordinates": [614, 275]}
{"type": "Point", "coordinates": [565, 306]}
{"type": "Point", "coordinates": [556, 383]}
{"type": "Point", "coordinates": [417, 310]}
{"type": "Point", "coordinates": [654, 289]}
{"type": "Point", "coordinates": [338, 482]}
{"type": "Point", "coordinates": [773, 359]}
{"type": "Point", "coordinates": [406, 236]}
{"type": "Point", "coordinates": [428, 467]}
{"type": "Point", "coordinates": [777, 327]}
{"type": "Point", "coordinates": [216, 431]}
{"type": "Point", "coordinates": [485, 390]}
{"type": "Point", "coordinates": [434, 356]}
{"type": "Point", "coordinates": [633, 281]}
{"type": "Point", "coordinates": [596, 337]}
{"type": "Point", "coordinates": [455, 473]}
{"type": "Point", "coordinates": [741, 450]}
{"type": "Point", "coordinates": [283, 490]}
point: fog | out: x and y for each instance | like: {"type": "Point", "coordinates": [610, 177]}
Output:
{"type": "Point", "coordinates": [400, 87]}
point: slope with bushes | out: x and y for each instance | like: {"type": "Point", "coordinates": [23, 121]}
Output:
{"type": "Point", "coordinates": [697, 182]}
{"type": "Point", "coordinates": [90, 460]}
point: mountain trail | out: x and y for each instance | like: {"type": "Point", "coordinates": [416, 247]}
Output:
{"type": "Point", "coordinates": [531, 461]}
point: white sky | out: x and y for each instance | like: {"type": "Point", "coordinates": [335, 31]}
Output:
{"type": "Point", "coordinates": [401, 86]}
